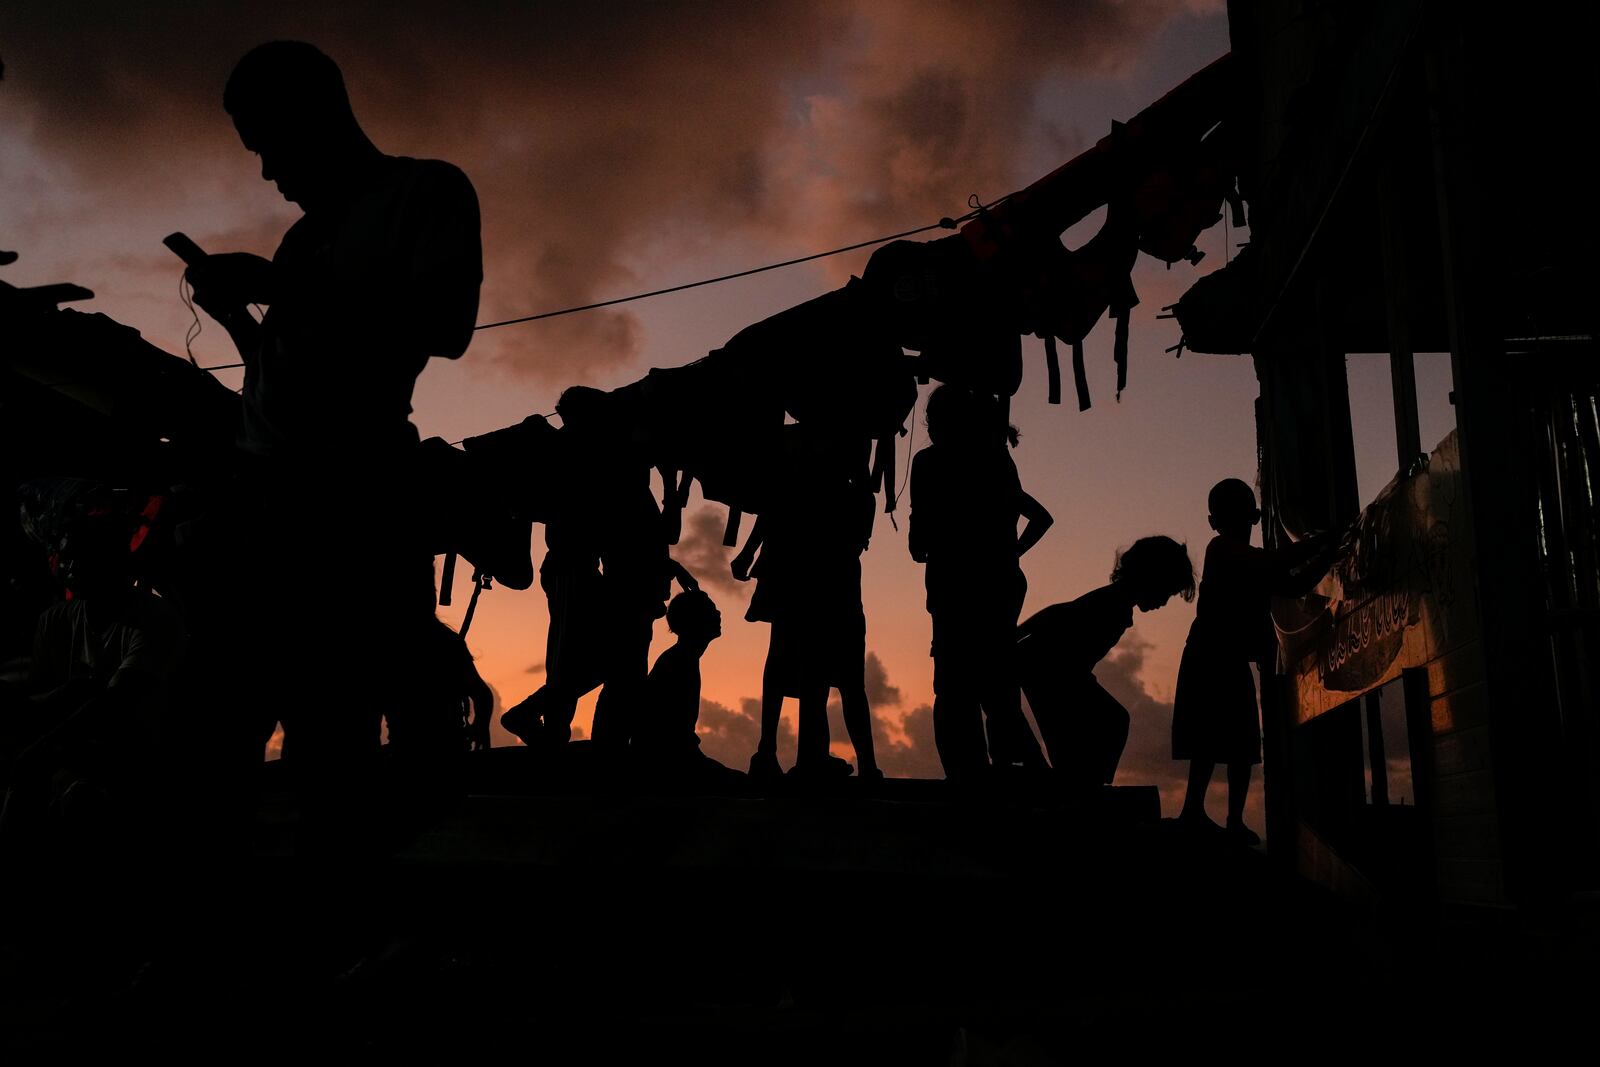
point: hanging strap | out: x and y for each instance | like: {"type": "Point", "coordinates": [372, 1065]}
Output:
{"type": "Point", "coordinates": [730, 536]}
{"type": "Point", "coordinates": [447, 578]}
{"type": "Point", "coordinates": [1120, 352]}
{"type": "Point", "coordinates": [480, 582]}
{"type": "Point", "coordinates": [1080, 377]}
{"type": "Point", "coordinates": [671, 508]}
{"type": "Point", "coordinates": [875, 478]}
{"type": "Point", "coordinates": [1052, 368]}
{"type": "Point", "coordinates": [1122, 305]}
{"type": "Point", "coordinates": [882, 476]}
{"type": "Point", "coordinates": [1235, 205]}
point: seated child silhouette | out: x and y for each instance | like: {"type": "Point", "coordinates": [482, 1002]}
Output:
{"type": "Point", "coordinates": [665, 747]}
{"type": "Point", "coordinates": [1084, 727]}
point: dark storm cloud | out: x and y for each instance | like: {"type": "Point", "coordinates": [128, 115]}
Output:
{"type": "Point", "coordinates": [701, 550]}
{"type": "Point", "coordinates": [880, 694]}
{"type": "Point", "coordinates": [1148, 758]}
{"type": "Point", "coordinates": [908, 751]}
{"type": "Point", "coordinates": [592, 131]}
{"type": "Point", "coordinates": [730, 736]}
{"type": "Point", "coordinates": [915, 756]}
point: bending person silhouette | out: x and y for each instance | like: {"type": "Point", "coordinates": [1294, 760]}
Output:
{"type": "Point", "coordinates": [379, 274]}
{"type": "Point", "coordinates": [966, 499]}
{"type": "Point", "coordinates": [1214, 714]}
{"type": "Point", "coordinates": [665, 746]}
{"type": "Point", "coordinates": [1083, 726]}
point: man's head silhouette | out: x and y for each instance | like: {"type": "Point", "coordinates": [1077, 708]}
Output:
{"type": "Point", "coordinates": [289, 104]}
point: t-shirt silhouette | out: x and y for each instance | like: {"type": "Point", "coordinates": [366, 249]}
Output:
{"type": "Point", "coordinates": [366, 292]}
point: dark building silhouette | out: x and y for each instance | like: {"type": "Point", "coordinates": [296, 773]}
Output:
{"type": "Point", "coordinates": [1430, 720]}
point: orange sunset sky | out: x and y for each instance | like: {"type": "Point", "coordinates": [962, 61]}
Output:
{"type": "Point", "coordinates": [623, 147]}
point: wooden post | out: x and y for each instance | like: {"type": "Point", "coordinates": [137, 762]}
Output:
{"type": "Point", "coordinates": [1418, 703]}
{"type": "Point", "coordinates": [1500, 496]}
{"type": "Point", "coordinates": [1376, 759]}
{"type": "Point", "coordinates": [1397, 287]}
{"type": "Point", "coordinates": [1343, 489]}
{"type": "Point", "coordinates": [1277, 768]}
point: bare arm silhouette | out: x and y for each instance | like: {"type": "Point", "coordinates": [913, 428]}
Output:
{"type": "Point", "coordinates": [679, 573]}
{"type": "Point", "coordinates": [741, 564]}
{"type": "Point", "coordinates": [1038, 521]}
{"type": "Point", "coordinates": [482, 698]}
{"type": "Point", "coordinates": [1295, 570]}
{"type": "Point", "coordinates": [916, 532]}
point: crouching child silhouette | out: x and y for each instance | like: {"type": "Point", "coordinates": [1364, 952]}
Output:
{"type": "Point", "coordinates": [1084, 728]}
{"type": "Point", "coordinates": [1214, 714]}
{"type": "Point", "coordinates": [665, 746]}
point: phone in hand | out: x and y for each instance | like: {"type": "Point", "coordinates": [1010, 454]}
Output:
{"type": "Point", "coordinates": [184, 248]}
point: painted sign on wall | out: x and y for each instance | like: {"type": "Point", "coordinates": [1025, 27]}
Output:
{"type": "Point", "coordinates": [1399, 596]}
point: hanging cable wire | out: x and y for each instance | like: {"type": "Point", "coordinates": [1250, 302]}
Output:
{"type": "Point", "coordinates": [185, 293]}
{"type": "Point", "coordinates": [945, 223]}
{"type": "Point", "coordinates": [911, 444]}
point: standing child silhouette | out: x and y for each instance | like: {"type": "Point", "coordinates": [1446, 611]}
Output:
{"type": "Point", "coordinates": [809, 587]}
{"type": "Point", "coordinates": [1214, 714]}
{"type": "Point", "coordinates": [966, 499]}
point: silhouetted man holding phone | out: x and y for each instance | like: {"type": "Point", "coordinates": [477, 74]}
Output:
{"type": "Point", "coordinates": [380, 273]}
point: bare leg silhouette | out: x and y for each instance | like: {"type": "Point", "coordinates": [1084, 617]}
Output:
{"type": "Point", "coordinates": [813, 756]}
{"type": "Point", "coordinates": [858, 723]}
{"type": "Point", "coordinates": [1194, 799]}
{"type": "Point", "coordinates": [1238, 790]}
{"type": "Point", "coordinates": [765, 761]}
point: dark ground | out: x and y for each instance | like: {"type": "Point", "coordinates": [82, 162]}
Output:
{"type": "Point", "coordinates": [910, 924]}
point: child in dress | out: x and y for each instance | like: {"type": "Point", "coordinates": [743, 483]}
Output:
{"type": "Point", "coordinates": [1214, 714]}
{"type": "Point", "coordinates": [808, 587]}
